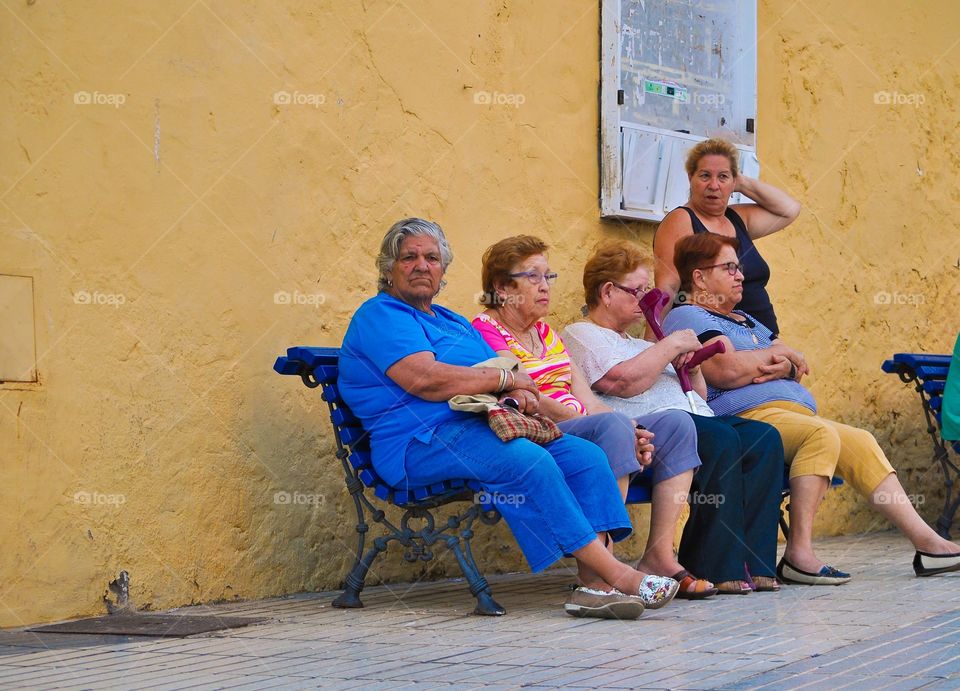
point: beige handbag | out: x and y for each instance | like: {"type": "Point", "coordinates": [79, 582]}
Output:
{"type": "Point", "coordinates": [507, 422]}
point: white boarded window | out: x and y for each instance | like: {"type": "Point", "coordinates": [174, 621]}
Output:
{"type": "Point", "coordinates": [673, 74]}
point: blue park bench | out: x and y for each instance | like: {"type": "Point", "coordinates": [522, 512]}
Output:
{"type": "Point", "coordinates": [928, 374]}
{"type": "Point", "coordinates": [318, 367]}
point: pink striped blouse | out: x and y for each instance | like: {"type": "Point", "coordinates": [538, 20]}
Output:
{"type": "Point", "coordinates": [550, 369]}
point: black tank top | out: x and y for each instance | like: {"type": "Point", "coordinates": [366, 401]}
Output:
{"type": "Point", "coordinates": [756, 271]}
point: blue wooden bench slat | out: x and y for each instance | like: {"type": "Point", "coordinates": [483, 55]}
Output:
{"type": "Point", "coordinates": [352, 435]}
{"type": "Point", "coordinates": [928, 374]}
{"type": "Point", "coordinates": [920, 359]}
{"type": "Point", "coordinates": [368, 477]}
{"type": "Point", "coordinates": [343, 416]}
{"type": "Point", "coordinates": [360, 459]}
{"type": "Point", "coordinates": [286, 366]}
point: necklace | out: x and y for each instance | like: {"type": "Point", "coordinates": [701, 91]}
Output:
{"type": "Point", "coordinates": [521, 336]}
{"type": "Point", "coordinates": [533, 342]}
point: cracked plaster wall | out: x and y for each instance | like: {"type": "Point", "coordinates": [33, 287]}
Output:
{"type": "Point", "coordinates": [158, 436]}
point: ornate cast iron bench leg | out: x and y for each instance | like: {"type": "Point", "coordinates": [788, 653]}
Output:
{"type": "Point", "coordinates": [479, 587]}
{"type": "Point", "coordinates": [350, 597]}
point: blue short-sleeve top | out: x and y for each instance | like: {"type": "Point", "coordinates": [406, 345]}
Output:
{"type": "Point", "coordinates": [383, 331]}
{"type": "Point", "coordinates": [746, 335]}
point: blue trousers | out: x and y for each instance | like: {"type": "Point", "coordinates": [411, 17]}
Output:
{"type": "Point", "coordinates": [555, 498]}
{"type": "Point", "coordinates": [674, 441]}
{"type": "Point", "coordinates": [735, 500]}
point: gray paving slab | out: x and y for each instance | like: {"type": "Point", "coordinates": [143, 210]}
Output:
{"type": "Point", "coordinates": [885, 629]}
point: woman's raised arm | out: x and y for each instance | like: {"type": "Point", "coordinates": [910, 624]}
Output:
{"type": "Point", "coordinates": [773, 211]}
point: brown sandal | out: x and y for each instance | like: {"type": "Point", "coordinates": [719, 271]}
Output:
{"type": "Point", "coordinates": [733, 588]}
{"type": "Point", "coordinates": [693, 588]}
{"type": "Point", "coordinates": [766, 584]}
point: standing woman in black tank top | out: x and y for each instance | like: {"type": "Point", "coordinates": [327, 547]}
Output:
{"type": "Point", "coordinates": [712, 169]}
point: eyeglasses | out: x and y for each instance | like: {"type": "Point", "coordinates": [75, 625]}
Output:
{"type": "Point", "coordinates": [535, 277]}
{"type": "Point", "coordinates": [731, 267]}
{"type": "Point", "coordinates": [635, 292]}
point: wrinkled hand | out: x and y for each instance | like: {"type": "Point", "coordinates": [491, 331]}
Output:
{"type": "Point", "coordinates": [527, 402]}
{"type": "Point", "coordinates": [778, 368]}
{"type": "Point", "coordinates": [681, 360]}
{"type": "Point", "coordinates": [800, 363]}
{"type": "Point", "coordinates": [522, 380]}
{"type": "Point", "coordinates": [685, 341]}
{"type": "Point", "coordinates": [795, 357]}
{"type": "Point", "coordinates": [645, 446]}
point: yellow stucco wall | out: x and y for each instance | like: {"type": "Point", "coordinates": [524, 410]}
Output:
{"type": "Point", "coordinates": [161, 192]}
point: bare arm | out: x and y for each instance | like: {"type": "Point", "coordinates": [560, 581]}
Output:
{"type": "Point", "coordinates": [421, 375]}
{"type": "Point", "coordinates": [773, 211]}
{"type": "Point", "coordinates": [698, 382]}
{"type": "Point", "coordinates": [636, 375]}
{"type": "Point", "coordinates": [581, 389]}
{"type": "Point", "coordinates": [674, 227]}
{"type": "Point", "coordinates": [736, 368]}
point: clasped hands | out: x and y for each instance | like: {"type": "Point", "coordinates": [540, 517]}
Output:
{"type": "Point", "coordinates": [784, 363]}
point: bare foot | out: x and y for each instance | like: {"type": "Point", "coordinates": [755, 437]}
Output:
{"type": "Point", "coordinates": [659, 566]}
{"type": "Point", "coordinates": [937, 545]}
{"type": "Point", "coordinates": [805, 561]}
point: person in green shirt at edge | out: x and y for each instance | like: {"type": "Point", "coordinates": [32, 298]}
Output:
{"type": "Point", "coordinates": [950, 415]}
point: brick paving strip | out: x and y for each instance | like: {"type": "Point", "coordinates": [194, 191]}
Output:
{"type": "Point", "coordinates": [886, 629]}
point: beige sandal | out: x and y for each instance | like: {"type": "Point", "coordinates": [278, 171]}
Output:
{"type": "Point", "coordinates": [766, 584]}
{"type": "Point", "coordinates": [733, 588]}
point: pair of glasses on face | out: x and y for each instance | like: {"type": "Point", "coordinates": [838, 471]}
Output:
{"type": "Point", "coordinates": [731, 267]}
{"type": "Point", "coordinates": [635, 292]}
{"type": "Point", "coordinates": [535, 277]}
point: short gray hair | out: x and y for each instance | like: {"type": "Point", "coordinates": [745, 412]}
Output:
{"type": "Point", "coordinates": [390, 247]}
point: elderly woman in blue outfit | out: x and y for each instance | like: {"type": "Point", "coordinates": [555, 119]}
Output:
{"type": "Point", "coordinates": [402, 359]}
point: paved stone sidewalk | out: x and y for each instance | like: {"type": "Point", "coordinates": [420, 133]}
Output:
{"type": "Point", "coordinates": [886, 629]}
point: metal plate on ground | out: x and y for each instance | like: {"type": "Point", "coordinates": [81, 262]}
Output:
{"type": "Point", "coordinates": [164, 625]}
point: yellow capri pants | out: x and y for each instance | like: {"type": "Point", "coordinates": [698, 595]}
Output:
{"type": "Point", "coordinates": [813, 445]}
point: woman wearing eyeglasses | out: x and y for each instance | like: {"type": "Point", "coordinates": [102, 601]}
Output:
{"type": "Point", "coordinates": [758, 377]}
{"type": "Point", "coordinates": [731, 537]}
{"type": "Point", "coordinates": [712, 169]}
{"type": "Point", "coordinates": [516, 282]}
